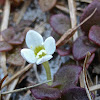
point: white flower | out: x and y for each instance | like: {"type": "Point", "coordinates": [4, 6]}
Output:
{"type": "Point", "coordinates": [38, 51]}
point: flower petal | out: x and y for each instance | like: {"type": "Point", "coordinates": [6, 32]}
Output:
{"type": "Point", "coordinates": [50, 45]}
{"type": "Point", "coordinates": [33, 39]}
{"type": "Point", "coordinates": [43, 59]}
{"type": "Point", "coordinates": [28, 55]}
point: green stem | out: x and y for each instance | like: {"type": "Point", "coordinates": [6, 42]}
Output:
{"type": "Point", "coordinates": [48, 72]}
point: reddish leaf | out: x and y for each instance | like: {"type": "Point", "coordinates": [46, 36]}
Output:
{"type": "Point", "coordinates": [18, 39]}
{"type": "Point", "coordinates": [68, 35]}
{"type": "Point", "coordinates": [63, 52]}
{"type": "Point", "coordinates": [47, 5]}
{"type": "Point", "coordinates": [60, 23]}
{"type": "Point", "coordinates": [81, 46]}
{"type": "Point", "coordinates": [8, 34]}
{"type": "Point", "coordinates": [95, 19]}
{"type": "Point", "coordinates": [76, 93]}
{"type": "Point", "coordinates": [46, 92]}
{"type": "Point", "coordinates": [4, 46]}
{"type": "Point", "coordinates": [94, 34]}
{"type": "Point", "coordinates": [67, 77]}
{"type": "Point", "coordinates": [14, 57]}
{"type": "Point", "coordinates": [11, 37]}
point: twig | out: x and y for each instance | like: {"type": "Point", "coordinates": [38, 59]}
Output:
{"type": "Point", "coordinates": [26, 4]}
{"type": "Point", "coordinates": [95, 87]}
{"type": "Point", "coordinates": [72, 10]}
{"type": "Point", "coordinates": [85, 77]}
{"type": "Point", "coordinates": [87, 1]}
{"type": "Point", "coordinates": [25, 88]}
{"type": "Point", "coordinates": [4, 25]}
{"type": "Point", "coordinates": [14, 83]}
{"type": "Point", "coordinates": [64, 9]}
{"type": "Point", "coordinates": [17, 74]}
{"type": "Point", "coordinates": [11, 88]}
{"type": "Point", "coordinates": [81, 80]}
{"type": "Point", "coordinates": [6, 14]}
{"type": "Point", "coordinates": [96, 83]}
{"type": "Point", "coordinates": [88, 75]}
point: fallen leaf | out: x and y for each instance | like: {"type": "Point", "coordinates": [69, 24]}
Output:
{"type": "Point", "coordinates": [14, 57]}
{"type": "Point", "coordinates": [12, 37]}
{"type": "Point", "coordinates": [47, 5]}
{"type": "Point", "coordinates": [4, 46]}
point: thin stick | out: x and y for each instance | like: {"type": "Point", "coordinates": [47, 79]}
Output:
{"type": "Point", "coordinates": [6, 14]}
{"type": "Point", "coordinates": [19, 73]}
{"type": "Point", "coordinates": [87, 1]}
{"type": "Point", "coordinates": [95, 87]}
{"type": "Point", "coordinates": [72, 9]}
{"type": "Point", "coordinates": [11, 88]}
{"type": "Point", "coordinates": [21, 14]}
{"type": "Point", "coordinates": [85, 77]}
{"type": "Point", "coordinates": [4, 25]}
{"type": "Point", "coordinates": [25, 88]}
{"type": "Point", "coordinates": [13, 84]}
{"type": "Point", "coordinates": [81, 80]}
{"type": "Point", "coordinates": [64, 9]}
{"type": "Point", "coordinates": [91, 82]}
{"type": "Point", "coordinates": [96, 81]}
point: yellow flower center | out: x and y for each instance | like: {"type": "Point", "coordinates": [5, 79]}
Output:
{"type": "Point", "coordinates": [39, 51]}
{"type": "Point", "coordinates": [41, 55]}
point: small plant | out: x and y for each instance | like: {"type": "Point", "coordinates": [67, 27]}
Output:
{"type": "Point", "coordinates": [39, 52]}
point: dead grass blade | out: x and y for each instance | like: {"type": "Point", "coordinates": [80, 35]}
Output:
{"type": "Point", "coordinates": [85, 77]}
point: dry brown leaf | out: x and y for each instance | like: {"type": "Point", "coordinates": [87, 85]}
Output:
{"type": "Point", "coordinates": [47, 4]}
{"type": "Point", "coordinates": [14, 57]}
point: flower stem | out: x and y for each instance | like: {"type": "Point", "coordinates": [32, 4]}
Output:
{"type": "Point", "coordinates": [48, 72]}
